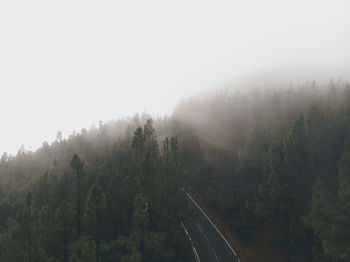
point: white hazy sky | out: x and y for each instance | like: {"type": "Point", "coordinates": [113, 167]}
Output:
{"type": "Point", "coordinates": [67, 64]}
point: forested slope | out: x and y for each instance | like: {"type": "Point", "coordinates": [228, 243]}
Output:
{"type": "Point", "coordinates": [276, 157]}
{"type": "Point", "coordinates": [116, 199]}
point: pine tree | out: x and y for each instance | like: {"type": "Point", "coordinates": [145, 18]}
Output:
{"type": "Point", "coordinates": [94, 207]}
{"type": "Point", "coordinates": [64, 215]}
{"type": "Point", "coordinates": [29, 217]}
{"type": "Point", "coordinates": [78, 166]}
{"type": "Point", "coordinates": [298, 183]}
{"type": "Point", "coordinates": [138, 143]}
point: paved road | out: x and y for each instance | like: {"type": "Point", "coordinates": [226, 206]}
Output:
{"type": "Point", "coordinates": [209, 243]}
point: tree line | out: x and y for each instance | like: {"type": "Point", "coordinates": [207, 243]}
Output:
{"type": "Point", "coordinates": [128, 206]}
{"type": "Point", "coordinates": [268, 157]}
{"type": "Point", "coordinates": [276, 158]}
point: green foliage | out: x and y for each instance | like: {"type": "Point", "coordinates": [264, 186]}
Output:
{"type": "Point", "coordinates": [113, 209]}
{"type": "Point", "coordinates": [330, 216]}
{"type": "Point", "coordinates": [265, 157]}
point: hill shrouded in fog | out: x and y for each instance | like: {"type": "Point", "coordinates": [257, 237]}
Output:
{"type": "Point", "coordinates": [265, 154]}
{"type": "Point", "coordinates": [66, 65]}
{"type": "Point", "coordinates": [270, 156]}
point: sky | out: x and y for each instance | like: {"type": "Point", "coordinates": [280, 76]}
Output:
{"type": "Point", "coordinates": [65, 65]}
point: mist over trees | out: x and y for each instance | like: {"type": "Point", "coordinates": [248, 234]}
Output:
{"type": "Point", "coordinates": [273, 156]}
{"type": "Point", "coordinates": [117, 201]}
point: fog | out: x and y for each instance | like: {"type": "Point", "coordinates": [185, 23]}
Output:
{"type": "Point", "coordinates": [66, 65]}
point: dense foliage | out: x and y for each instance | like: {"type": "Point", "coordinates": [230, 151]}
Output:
{"type": "Point", "coordinates": [277, 158]}
{"type": "Point", "coordinates": [123, 204]}
{"type": "Point", "coordinates": [263, 157]}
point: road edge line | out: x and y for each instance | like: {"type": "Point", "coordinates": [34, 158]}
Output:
{"type": "Point", "coordinates": [194, 250]}
{"type": "Point", "coordinates": [213, 225]}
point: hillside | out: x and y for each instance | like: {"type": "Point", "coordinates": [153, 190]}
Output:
{"type": "Point", "coordinates": [271, 160]}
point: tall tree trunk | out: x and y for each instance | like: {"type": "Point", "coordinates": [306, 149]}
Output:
{"type": "Point", "coordinates": [29, 235]}
{"type": "Point", "coordinates": [97, 236]}
{"type": "Point", "coordinates": [65, 235]}
{"type": "Point", "coordinates": [289, 253]}
{"type": "Point", "coordinates": [78, 166]}
{"type": "Point", "coordinates": [79, 209]}
{"type": "Point", "coordinates": [79, 206]}
{"type": "Point", "coordinates": [166, 149]}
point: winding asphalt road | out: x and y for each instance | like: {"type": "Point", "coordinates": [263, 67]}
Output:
{"type": "Point", "coordinates": [211, 246]}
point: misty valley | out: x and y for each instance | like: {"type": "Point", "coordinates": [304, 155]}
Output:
{"type": "Point", "coordinates": [267, 168]}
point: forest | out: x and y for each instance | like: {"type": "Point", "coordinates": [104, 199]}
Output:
{"type": "Point", "coordinates": [265, 156]}
{"type": "Point", "coordinates": [117, 201]}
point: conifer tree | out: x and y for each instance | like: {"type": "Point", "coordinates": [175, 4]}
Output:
{"type": "Point", "coordinates": [78, 166]}
{"type": "Point", "coordinates": [94, 206]}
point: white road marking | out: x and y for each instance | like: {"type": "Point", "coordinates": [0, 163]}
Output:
{"type": "Point", "coordinates": [217, 259]}
{"type": "Point", "coordinates": [217, 230]}
{"type": "Point", "coordinates": [193, 247]}
{"type": "Point", "coordinates": [206, 238]}
{"type": "Point", "coordinates": [200, 228]}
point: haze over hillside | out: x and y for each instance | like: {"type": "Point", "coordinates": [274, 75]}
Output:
{"type": "Point", "coordinates": [137, 130]}
{"type": "Point", "coordinates": [281, 77]}
{"type": "Point", "coordinates": [66, 65]}
{"type": "Point", "coordinates": [270, 161]}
